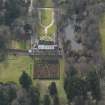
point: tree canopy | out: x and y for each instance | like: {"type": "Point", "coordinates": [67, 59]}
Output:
{"type": "Point", "coordinates": [25, 80]}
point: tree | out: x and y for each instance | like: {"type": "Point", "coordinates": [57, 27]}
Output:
{"type": "Point", "coordinates": [3, 98]}
{"type": "Point", "coordinates": [12, 11]}
{"type": "Point", "coordinates": [71, 72]}
{"type": "Point", "coordinates": [11, 94]}
{"type": "Point", "coordinates": [27, 97]}
{"type": "Point", "coordinates": [35, 96]}
{"type": "Point", "coordinates": [56, 100]}
{"type": "Point", "coordinates": [4, 42]}
{"type": "Point", "coordinates": [22, 98]}
{"type": "Point", "coordinates": [22, 30]}
{"type": "Point", "coordinates": [7, 94]}
{"type": "Point", "coordinates": [53, 89]}
{"type": "Point", "coordinates": [74, 85]}
{"type": "Point", "coordinates": [25, 80]}
{"type": "Point", "coordinates": [1, 12]}
{"type": "Point", "coordinates": [3, 48]}
{"type": "Point", "coordinates": [94, 84]}
{"type": "Point", "coordinates": [67, 46]}
{"type": "Point", "coordinates": [46, 100]}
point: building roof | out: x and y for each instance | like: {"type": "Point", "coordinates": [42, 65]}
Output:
{"type": "Point", "coordinates": [47, 47]}
{"type": "Point", "coordinates": [42, 42]}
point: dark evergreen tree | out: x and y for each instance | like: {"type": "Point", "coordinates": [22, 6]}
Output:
{"type": "Point", "coordinates": [3, 48]}
{"type": "Point", "coordinates": [70, 73]}
{"type": "Point", "coordinates": [25, 80]}
{"type": "Point", "coordinates": [12, 11]}
{"type": "Point", "coordinates": [94, 84]}
{"type": "Point", "coordinates": [46, 100]}
{"type": "Point", "coordinates": [7, 94]}
{"type": "Point", "coordinates": [11, 94]}
{"type": "Point", "coordinates": [74, 85]}
{"type": "Point", "coordinates": [56, 100]}
{"type": "Point", "coordinates": [3, 98]}
{"type": "Point", "coordinates": [35, 96]}
{"type": "Point", "coordinates": [53, 89]}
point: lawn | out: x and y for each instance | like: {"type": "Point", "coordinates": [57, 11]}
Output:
{"type": "Point", "coordinates": [46, 17]}
{"type": "Point", "coordinates": [50, 35]}
{"type": "Point", "coordinates": [20, 45]}
{"type": "Point", "coordinates": [102, 33]}
{"type": "Point", "coordinates": [11, 69]}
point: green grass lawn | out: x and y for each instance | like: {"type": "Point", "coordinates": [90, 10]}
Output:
{"type": "Point", "coordinates": [43, 36]}
{"type": "Point", "coordinates": [45, 19]}
{"type": "Point", "coordinates": [46, 16]}
{"type": "Point", "coordinates": [20, 45]}
{"type": "Point", "coordinates": [102, 33]}
{"type": "Point", "coordinates": [11, 69]}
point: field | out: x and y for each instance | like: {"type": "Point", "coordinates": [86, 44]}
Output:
{"type": "Point", "coordinates": [20, 45]}
{"type": "Point", "coordinates": [11, 69]}
{"type": "Point", "coordinates": [102, 32]}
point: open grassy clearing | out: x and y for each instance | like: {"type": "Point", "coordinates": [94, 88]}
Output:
{"type": "Point", "coordinates": [20, 45]}
{"type": "Point", "coordinates": [102, 33]}
{"type": "Point", "coordinates": [11, 69]}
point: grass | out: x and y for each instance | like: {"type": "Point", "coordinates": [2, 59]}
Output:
{"type": "Point", "coordinates": [102, 33]}
{"type": "Point", "coordinates": [43, 36]}
{"type": "Point", "coordinates": [20, 45]}
{"type": "Point", "coordinates": [46, 16]}
{"type": "Point", "coordinates": [46, 19]}
{"type": "Point", "coordinates": [11, 69]}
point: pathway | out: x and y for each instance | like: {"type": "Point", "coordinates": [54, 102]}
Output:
{"type": "Point", "coordinates": [52, 22]}
{"type": "Point", "coordinates": [31, 7]}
